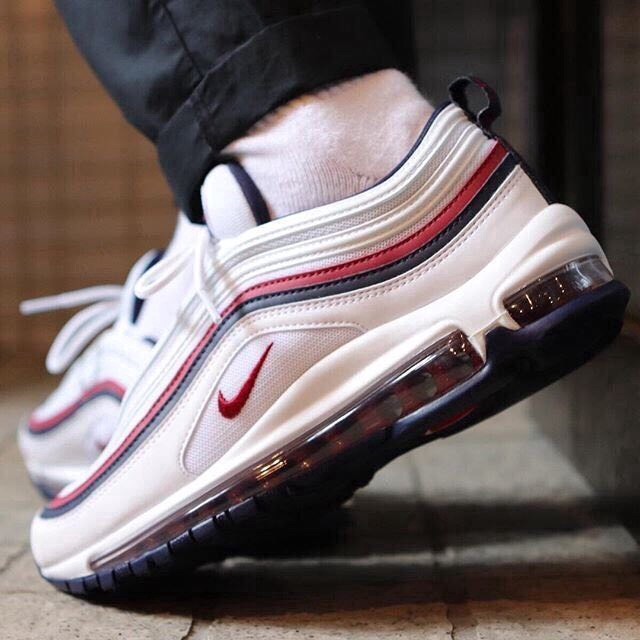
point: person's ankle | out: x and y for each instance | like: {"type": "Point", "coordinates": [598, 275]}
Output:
{"type": "Point", "coordinates": [333, 143]}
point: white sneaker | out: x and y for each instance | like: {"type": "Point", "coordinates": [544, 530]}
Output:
{"type": "Point", "coordinates": [102, 348]}
{"type": "Point", "coordinates": [321, 345]}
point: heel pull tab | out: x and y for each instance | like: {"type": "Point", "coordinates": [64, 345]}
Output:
{"type": "Point", "coordinates": [485, 117]}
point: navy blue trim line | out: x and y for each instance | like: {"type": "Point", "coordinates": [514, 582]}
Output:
{"type": "Point", "coordinates": [252, 194]}
{"type": "Point", "coordinates": [485, 118]}
{"type": "Point", "coordinates": [416, 144]}
{"type": "Point", "coordinates": [537, 181]}
{"type": "Point", "coordinates": [309, 292]}
{"type": "Point", "coordinates": [488, 114]}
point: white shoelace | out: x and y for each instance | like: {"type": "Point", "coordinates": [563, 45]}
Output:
{"type": "Point", "coordinates": [162, 273]}
{"type": "Point", "coordinates": [83, 327]}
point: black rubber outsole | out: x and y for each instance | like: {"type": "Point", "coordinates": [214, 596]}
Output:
{"type": "Point", "coordinates": [519, 363]}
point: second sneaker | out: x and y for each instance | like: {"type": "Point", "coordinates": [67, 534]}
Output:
{"type": "Point", "coordinates": [101, 351]}
{"type": "Point", "coordinates": [319, 346]}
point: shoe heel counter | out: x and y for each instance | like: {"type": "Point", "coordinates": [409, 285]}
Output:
{"type": "Point", "coordinates": [484, 120]}
{"type": "Point", "coordinates": [536, 181]}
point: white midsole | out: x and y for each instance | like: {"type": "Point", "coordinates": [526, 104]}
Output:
{"type": "Point", "coordinates": [552, 238]}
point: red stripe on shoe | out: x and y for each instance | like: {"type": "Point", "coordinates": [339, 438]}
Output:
{"type": "Point", "coordinates": [389, 254]}
{"type": "Point", "coordinates": [380, 258]}
{"type": "Point", "coordinates": [105, 387]}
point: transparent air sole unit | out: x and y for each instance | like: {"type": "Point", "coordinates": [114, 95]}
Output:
{"type": "Point", "coordinates": [411, 405]}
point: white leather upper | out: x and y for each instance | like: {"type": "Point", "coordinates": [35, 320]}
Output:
{"type": "Point", "coordinates": [383, 322]}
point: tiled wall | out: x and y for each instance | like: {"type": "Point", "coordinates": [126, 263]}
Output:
{"type": "Point", "coordinates": [80, 192]}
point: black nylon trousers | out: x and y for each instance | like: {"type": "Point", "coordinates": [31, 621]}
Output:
{"type": "Point", "coordinates": [193, 75]}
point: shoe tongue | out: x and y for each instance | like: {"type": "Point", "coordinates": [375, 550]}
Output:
{"type": "Point", "coordinates": [156, 314]}
{"type": "Point", "coordinates": [131, 305]}
{"type": "Point", "coordinates": [231, 201]}
{"type": "Point", "coordinates": [153, 316]}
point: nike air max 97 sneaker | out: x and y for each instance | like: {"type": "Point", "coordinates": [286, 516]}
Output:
{"type": "Point", "coordinates": [317, 347]}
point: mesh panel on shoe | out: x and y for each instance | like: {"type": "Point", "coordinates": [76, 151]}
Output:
{"type": "Point", "coordinates": [291, 354]}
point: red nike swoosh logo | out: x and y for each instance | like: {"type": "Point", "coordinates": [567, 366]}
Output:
{"type": "Point", "coordinates": [231, 408]}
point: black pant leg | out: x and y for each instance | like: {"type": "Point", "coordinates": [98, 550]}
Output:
{"type": "Point", "coordinates": [193, 75]}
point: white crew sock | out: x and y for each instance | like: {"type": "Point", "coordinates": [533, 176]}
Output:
{"type": "Point", "coordinates": [331, 144]}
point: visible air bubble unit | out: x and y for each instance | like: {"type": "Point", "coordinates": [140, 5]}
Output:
{"type": "Point", "coordinates": [367, 421]}
{"type": "Point", "coordinates": [555, 289]}
{"type": "Point", "coordinates": [427, 377]}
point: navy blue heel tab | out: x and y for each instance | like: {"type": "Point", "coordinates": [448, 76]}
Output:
{"type": "Point", "coordinates": [485, 117]}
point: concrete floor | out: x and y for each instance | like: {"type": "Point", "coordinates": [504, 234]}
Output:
{"type": "Point", "coordinates": [490, 534]}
